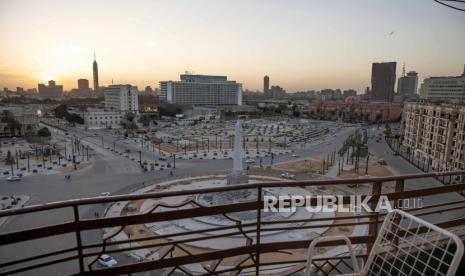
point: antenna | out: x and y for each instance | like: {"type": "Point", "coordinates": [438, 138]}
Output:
{"type": "Point", "coordinates": [111, 81]}
{"type": "Point", "coordinates": [95, 58]}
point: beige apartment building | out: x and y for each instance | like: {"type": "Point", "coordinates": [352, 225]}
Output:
{"type": "Point", "coordinates": [435, 134]}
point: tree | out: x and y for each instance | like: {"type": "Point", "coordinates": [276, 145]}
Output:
{"type": "Point", "coordinates": [130, 116]}
{"type": "Point", "coordinates": [61, 112]}
{"type": "Point", "coordinates": [44, 132]}
{"type": "Point", "coordinates": [74, 118]}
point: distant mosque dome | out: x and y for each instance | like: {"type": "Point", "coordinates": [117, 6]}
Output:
{"type": "Point", "coordinates": [351, 100]}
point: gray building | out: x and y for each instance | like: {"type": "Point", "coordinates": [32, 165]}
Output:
{"type": "Point", "coordinates": [444, 88]}
{"type": "Point", "coordinates": [407, 85]}
{"type": "Point", "coordinates": [50, 91]}
{"type": "Point", "coordinates": [121, 97]}
{"type": "Point", "coordinates": [201, 90]}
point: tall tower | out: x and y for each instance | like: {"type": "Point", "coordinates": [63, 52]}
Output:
{"type": "Point", "coordinates": [266, 86]}
{"type": "Point", "coordinates": [95, 69]}
{"type": "Point", "coordinates": [383, 78]}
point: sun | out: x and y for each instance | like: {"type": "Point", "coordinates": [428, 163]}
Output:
{"type": "Point", "coordinates": [47, 77]}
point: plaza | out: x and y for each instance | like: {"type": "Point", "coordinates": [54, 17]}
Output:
{"type": "Point", "coordinates": [116, 169]}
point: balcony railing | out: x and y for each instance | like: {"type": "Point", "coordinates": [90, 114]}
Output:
{"type": "Point", "coordinates": [69, 247]}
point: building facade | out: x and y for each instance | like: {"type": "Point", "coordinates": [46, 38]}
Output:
{"type": "Point", "coordinates": [407, 85]}
{"type": "Point", "coordinates": [95, 119]}
{"type": "Point", "coordinates": [121, 97]}
{"type": "Point", "coordinates": [444, 88]}
{"type": "Point", "coordinates": [383, 78]}
{"type": "Point", "coordinates": [50, 91]}
{"type": "Point", "coordinates": [26, 117]}
{"type": "Point", "coordinates": [434, 134]}
{"type": "Point", "coordinates": [201, 90]}
{"type": "Point", "coordinates": [353, 110]}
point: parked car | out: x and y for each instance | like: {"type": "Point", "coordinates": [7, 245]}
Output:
{"type": "Point", "coordinates": [104, 194]}
{"type": "Point", "coordinates": [288, 175]}
{"type": "Point", "coordinates": [107, 260]}
{"type": "Point", "coordinates": [295, 155]}
{"type": "Point", "coordinates": [13, 178]}
{"type": "Point", "coordinates": [249, 161]}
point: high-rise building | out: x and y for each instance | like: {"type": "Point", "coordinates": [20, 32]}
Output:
{"type": "Point", "coordinates": [52, 91]}
{"type": "Point", "coordinates": [83, 85]}
{"type": "Point", "coordinates": [266, 86]}
{"type": "Point", "coordinates": [95, 71]}
{"type": "Point", "coordinates": [201, 90]}
{"type": "Point", "coordinates": [408, 85]}
{"type": "Point", "coordinates": [121, 97]}
{"type": "Point", "coordinates": [383, 78]}
{"type": "Point", "coordinates": [444, 88]}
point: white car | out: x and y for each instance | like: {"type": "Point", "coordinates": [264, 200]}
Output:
{"type": "Point", "coordinates": [295, 155]}
{"type": "Point", "coordinates": [104, 194]}
{"type": "Point", "coordinates": [287, 175]}
{"type": "Point", "coordinates": [107, 260]}
{"type": "Point", "coordinates": [13, 178]}
{"type": "Point", "coordinates": [249, 161]}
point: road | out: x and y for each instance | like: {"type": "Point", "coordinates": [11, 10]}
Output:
{"type": "Point", "coordinates": [110, 173]}
{"type": "Point", "coordinates": [401, 166]}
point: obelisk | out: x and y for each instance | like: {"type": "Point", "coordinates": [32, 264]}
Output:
{"type": "Point", "coordinates": [237, 176]}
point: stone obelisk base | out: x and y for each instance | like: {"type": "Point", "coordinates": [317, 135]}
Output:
{"type": "Point", "coordinates": [235, 178]}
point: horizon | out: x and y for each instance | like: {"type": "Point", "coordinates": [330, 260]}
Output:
{"type": "Point", "coordinates": [143, 42]}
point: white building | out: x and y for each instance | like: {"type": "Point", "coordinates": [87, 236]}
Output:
{"type": "Point", "coordinates": [98, 118]}
{"type": "Point", "coordinates": [121, 98]}
{"type": "Point", "coordinates": [444, 88]}
{"type": "Point", "coordinates": [201, 90]}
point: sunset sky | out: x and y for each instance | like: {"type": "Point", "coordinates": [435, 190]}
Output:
{"type": "Point", "coordinates": [301, 45]}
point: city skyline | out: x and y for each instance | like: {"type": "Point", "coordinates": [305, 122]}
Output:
{"type": "Point", "coordinates": [295, 43]}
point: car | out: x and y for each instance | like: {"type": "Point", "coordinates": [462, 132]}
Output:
{"type": "Point", "coordinates": [13, 178]}
{"type": "Point", "coordinates": [107, 260]}
{"type": "Point", "coordinates": [287, 175]}
{"type": "Point", "coordinates": [19, 174]}
{"type": "Point", "coordinates": [295, 155]}
{"type": "Point", "coordinates": [35, 171]}
{"type": "Point", "coordinates": [104, 194]}
{"type": "Point", "coordinates": [249, 161]}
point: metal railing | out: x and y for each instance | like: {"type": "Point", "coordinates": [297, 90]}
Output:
{"type": "Point", "coordinates": [179, 250]}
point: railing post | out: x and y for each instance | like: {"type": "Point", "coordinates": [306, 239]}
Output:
{"type": "Point", "coordinates": [373, 227]}
{"type": "Point", "coordinates": [78, 238]}
{"type": "Point", "coordinates": [398, 205]}
{"type": "Point", "coordinates": [257, 235]}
